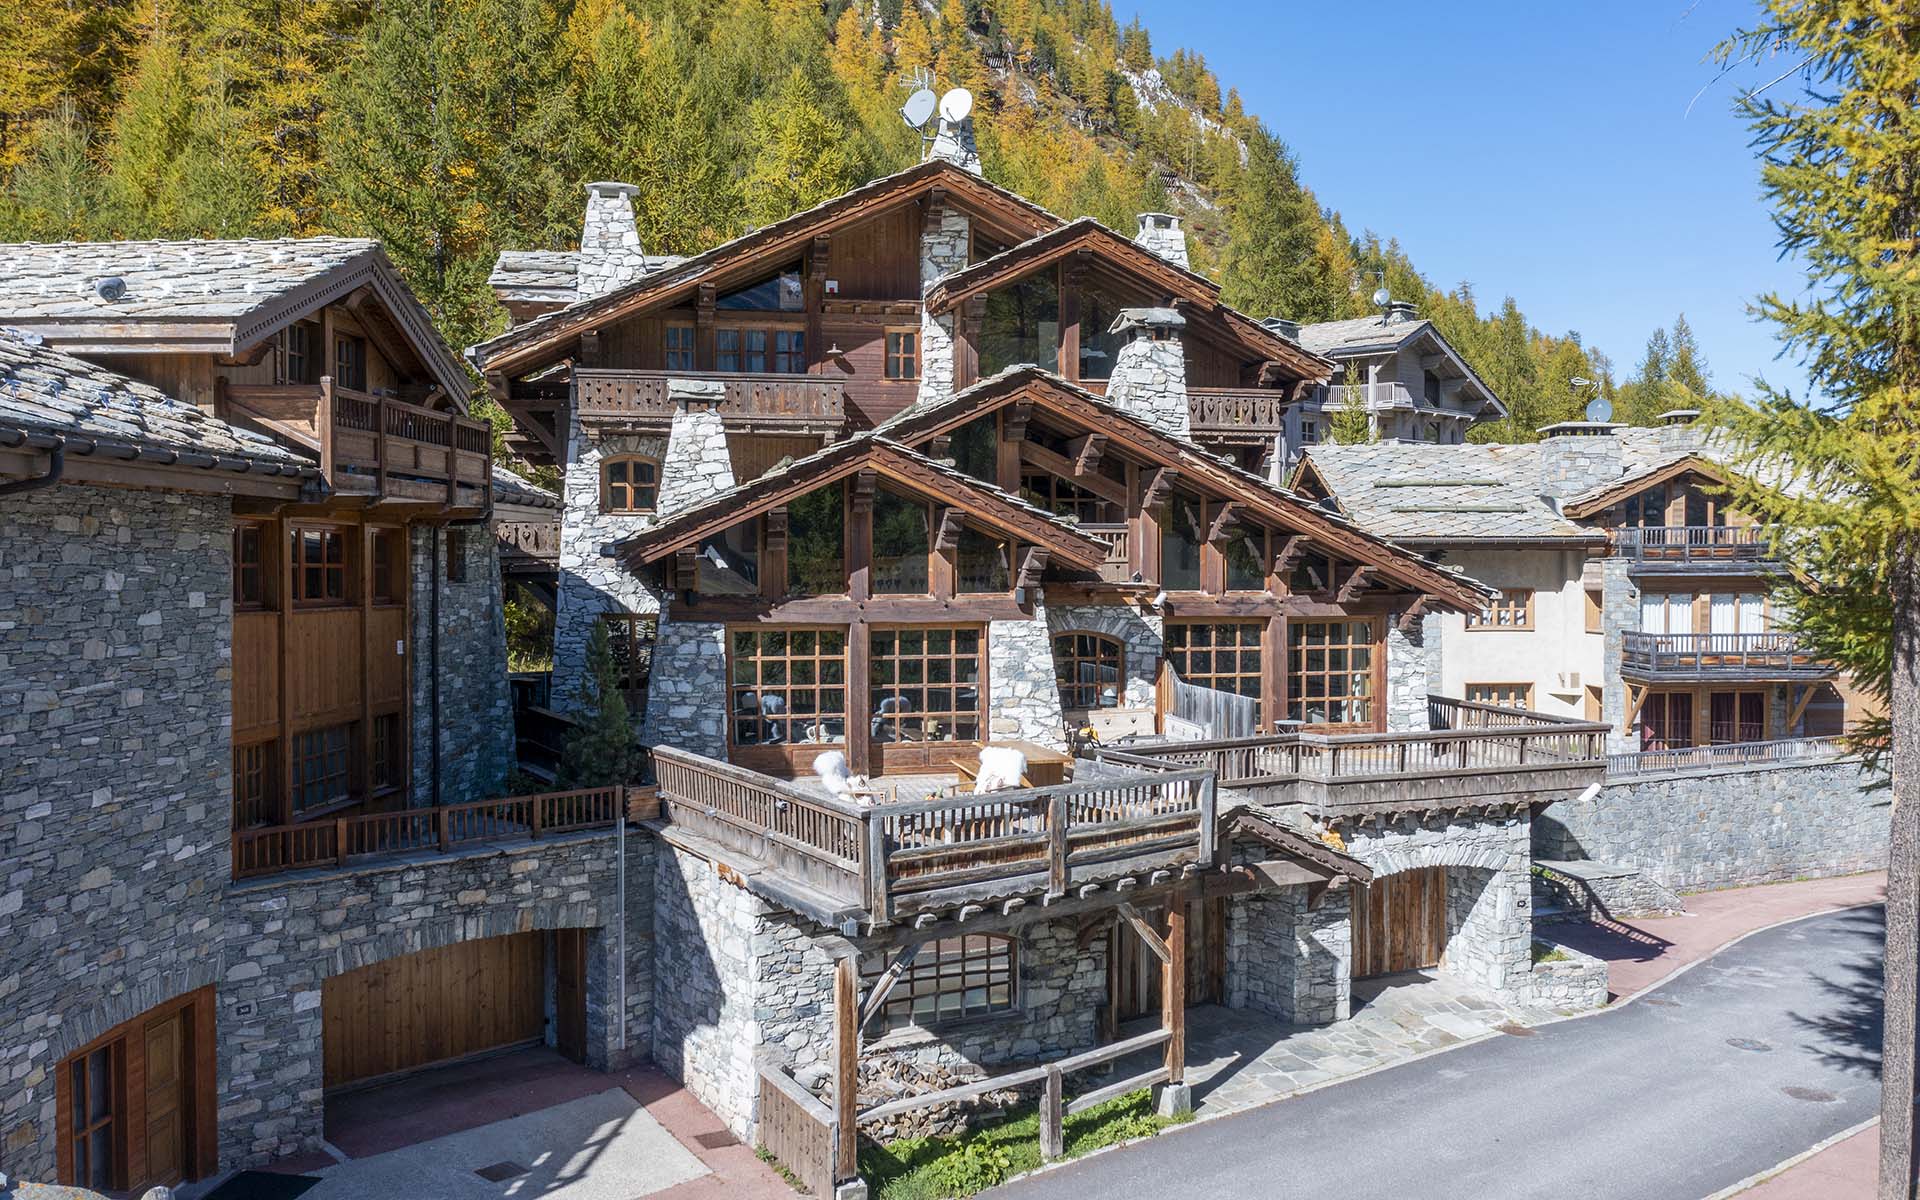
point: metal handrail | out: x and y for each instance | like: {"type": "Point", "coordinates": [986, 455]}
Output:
{"type": "Point", "coordinates": [1726, 755]}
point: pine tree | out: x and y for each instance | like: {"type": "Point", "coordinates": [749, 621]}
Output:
{"type": "Point", "coordinates": [55, 194]}
{"type": "Point", "coordinates": [805, 154]}
{"type": "Point", "coordinates": [1136, 48]}
{"type": "Point", "coordinates": [1841, 166]}
{"type": "Point", "coordinates": [1271, 268]}
{"type": "Point", "coordinates": [150, 133]}
{"type": "Point", "coordinates": [602, 749]}
{"type": "Point", "coordinates": [1352, 424]}
{"type": "Point", "coordinates": [1684, 366]}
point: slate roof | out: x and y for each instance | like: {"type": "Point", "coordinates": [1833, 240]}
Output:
{"type": "Point", "coordinates": [1421, 492]}
{"type": "Point", "coordinates": [509, 488]}
{"type": "Point", "coordinates": [50, 399]}
{"type": "Point", "coordinates": [551, 275]}
{"type": "Point", "coordinates": [183, 279]}
{"type": "Point", "coordinates": [1331, 338]}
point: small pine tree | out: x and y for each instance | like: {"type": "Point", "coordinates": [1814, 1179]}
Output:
{"type": "Point", "coordinates": [602, 750]}
{"type": "Point", "coordinates": [1352, 425]}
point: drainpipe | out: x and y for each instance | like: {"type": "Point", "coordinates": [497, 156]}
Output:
{"type": "Point", "coordinates": [433, 658]}
{"type": "Point", "coordinates": [56, 466]}
{"type": "Point", "coordinates": [620, 899]}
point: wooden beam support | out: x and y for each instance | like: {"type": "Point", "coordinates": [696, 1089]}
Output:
{"type": "Point", "coordinates": [1799, 709]}
{"type": "Point", "coordinates": [1033, 562]}
{"type": "Point", "coordinates": [1146, 932]}
{"type": "Point", "coordinates": [1223, 521]}
{"type": "Point", "coordinates": [1047, 460]}
{"type": "Point", "coordinates": [1159, 488]}
{"type": "Point", "coordinates": [846, 1069]}
{"type": "Point", "coordinates": [1173, 989]}
{"type": "Point", "coordinates": [1085, 451]}
{"type": "Point", "coordinates": [1412, 615]}
{"type": "Point", "coordinates": [1288, 552]}
{"type": "Point", "coordinates": [1361, 577]}
{"type": "Point", "coordinates": [946, 535]}
{"type": "Point", "coordinates": [883, 986]}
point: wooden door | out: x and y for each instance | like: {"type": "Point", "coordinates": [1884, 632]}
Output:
{"type": "Point", "coordinates": [570, 993]}
{"type": "Point", "coordinates": [433, 1006]}
{"type": "Point", "coordinates": [167, 1102]}
{"type": "Point", "coordinates": [1134, 977]}
{"type": "Point", "coordinates": [1400, 923]}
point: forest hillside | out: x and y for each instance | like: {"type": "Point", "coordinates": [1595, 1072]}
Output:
{"type": "Point", "coordinates": [453, 129]}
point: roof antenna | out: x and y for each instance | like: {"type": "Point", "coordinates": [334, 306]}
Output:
{"type": "Point", "coordinates": [920, 106]}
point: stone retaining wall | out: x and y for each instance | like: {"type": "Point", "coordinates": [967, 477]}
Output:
{"type": "Point", "coordinates": [1717, 829]}
{"type": "Point", "coordinates": [1576, 983]}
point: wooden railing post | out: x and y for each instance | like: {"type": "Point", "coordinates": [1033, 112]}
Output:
{"type": "Point", "coordinates": [1173, 990]}
{"type": "Point", "coordinates": [340, 840]}
{"type": "Point", "coordinates": [846, 1069]}
{"type": "Point", "coordinates": [1056, 845]}
{"type": "Point", "coordinates": [533, 821]}
{"type": "Point", "coordinates": [1052, 1116]}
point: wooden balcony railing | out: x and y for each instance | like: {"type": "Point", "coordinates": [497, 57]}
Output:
{"type": "Point", "coordinates": [528, 545]}
{"type": "Point", "coordinates": [1728, 756]}
{"type": "Point", "coordinates": [377, 444]}
{"type": "Point", "coordinates": [883, 860]}
{"type": "Point", "coordinates": [1705, 545]}
{"type": "Point", "coordinates": [1487, 756]}
{"type": "Point", "coordinates": [342, 841]}
{"type": "Point", "coordinates": [778, 403]}
{"type": "Point", "coordinates": [1677, 656]}
{"type": "Point", "coordinates": [1116, 568]}
{"type": "Point", "coordinates": [1252, 412]}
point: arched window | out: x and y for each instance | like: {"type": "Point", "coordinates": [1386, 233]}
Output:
{"type": "Point", "coordinates": [629, 484]}
{"type": "Point", "coordinates": [951, 979]}
{"type": "Point", "coordinates": [1088, 668]}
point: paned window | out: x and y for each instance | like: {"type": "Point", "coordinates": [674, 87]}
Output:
{"type": "Point", "coordinates": [1021, 325]}
{"type": "Point", "coordinates": [900, 545]}
{"type": "Point", "coordinates": [1505, 695]}
{"type": "Point", "coordinates": [1245, 554]}
{"type": "Point", "coordinates": [924, 684]}
{"type": "Point", "coordinates": [789, 351]}
{"type": "Point", "coordinates": [383, 753]}
{"type": "Point", "coordinates": [456, 556]}
{"type": "Point", "coordinates": [350, 362]}
{"type": "Point", "coordinates": [630, 639]}
{"type": "Point", "coordinates": [1513, 610]}
{"type": "Point", "coordinates": [249, 567]}
{"type": "Point", "coordinates": [951, 979]}
{"type": "Point", "coordinates": [319, 566]}
{"type": "Point", "coordinates": [1666, 721]}
{"type": "Point", "coordinates": [95, 1118]}
{"type": "Point", "coordinates": [629, 485]}
{"type": "Point", "coordinates": [788, 686]}
{"type": "Point", "coordinates": [1736, 717]}
{"type": "Point", "coordinates": [1648, 509]}
{"type": "Point", "coordinates": [679, 346]}
{"type": "Point", "coordinates": [322, 767]}
{"type": "Point", "coordinates": [389, 570]}
{"type": "Point", "coordinates": [903, 354]}
{"type": "Point", "coordinates": [1223, 656]}
{"type": "Point", "coordinates": [1088, 668]}
{"type": "Point", "coordinates": [303, 361]}
{"type": "Point", "coordinates": [1330, 672]}
{"type": "Point", "coordinates": [1180, 535]}
{"type": "Point", "coordinates": [1064, 498]}
{"type": "Point", "coordinates": [726, 349]}
{"type": "Point", "coordinates": [256, 785]}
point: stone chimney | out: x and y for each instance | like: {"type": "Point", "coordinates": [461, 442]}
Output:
{"type": "Point", "coordinates": [1149, 379]}
{"type": "Point", "coordinates": [1286, 327]}
{"type": "Point", "coordinates": [1401, 312]}
{"type": "Point", "coordinates": [610, 252]}
{"type": "Point", "coordinates": [1578, 456]}
{"type": "Point", "coordinates": [696, 467]}
{"type": "Point", "coordinates": [1161, 233]}
{"type": "Point", "coordinates": [953, 141]}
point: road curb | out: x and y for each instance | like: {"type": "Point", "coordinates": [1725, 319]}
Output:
{"type": "Point", "coordinates": [1759, 1177]}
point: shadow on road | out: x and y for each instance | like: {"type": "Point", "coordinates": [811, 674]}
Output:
{"type": "Point", "coordinates": [1849, 1037]}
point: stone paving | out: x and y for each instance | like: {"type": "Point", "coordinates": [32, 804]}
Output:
{"type": "Point", "coordinates": [1237, 1059]}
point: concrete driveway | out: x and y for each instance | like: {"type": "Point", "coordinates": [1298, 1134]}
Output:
{"type": "Point", "coordinates": [1748, 1058]}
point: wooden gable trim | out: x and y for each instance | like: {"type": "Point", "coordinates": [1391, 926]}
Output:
{"type": "Point", "coordinates": [1693, 464]}
{"type": "Point", "coordinates": [544, 340]}
{"type": "Point", "coordinates": [1191, 466]}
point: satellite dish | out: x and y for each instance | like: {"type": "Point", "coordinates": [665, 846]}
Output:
{"type": "Point", "coordinates": [919, 108]}
{"type": "Point", "coordinates": [1381, 296]}
{"type": "Point", "coordinates": [956, 105]}
{"type": "Point", "coordinates": [1599, 410]}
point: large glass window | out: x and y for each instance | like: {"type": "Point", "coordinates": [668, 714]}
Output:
{"type": "Point", "coordinates": [972, 975]}
{"type": "Point", "coordinates": [1245, 552]}
{"type": "Point", "coordinates": [1736, 717]}
{"type": "Point", "coordinates": [1330, 679]}
{"type": "Point", "coordinates": [816, 543]}
{"type": "Point", "coordinates": [925, 684]}
{"type": "Point", "coordinates": [975, 449]}
{"type": "Point", "coordinates": [777, 293]}
{"type": "Point", "coordinates": [1180, 533]}
{"type": "Point", "coordinates": [729, 561]}
{"type": "Point", "coordinates": [1666, 721]}
{"type": "Point", "coordinates": [1649, 508]}
{"type": "Point", "coordinates": [1098, 347]}
{"type": "Point", "coordinates": [249, 566]}
{"type": "Point", "coordinates": [95, 1113]}
{"type": "Point", "coordinates": [900, 545]}
{"type": "Point", "coordinates": [981, 563]}
{"type": "Point", "coordinates": [322, 767]}
{"type": "Point", "coordinates": [1224, 656]}
{"type": "Point", "coordinates": [788, 686]}
{"type": "Point", "coordinates": [630, 639]}
{"type": "Point", "coordinates": [1064, 498]}
{"type": "Point", "coordinates": [1021, 325]}
{"type": "Point", "coordinates": [1088, 668]}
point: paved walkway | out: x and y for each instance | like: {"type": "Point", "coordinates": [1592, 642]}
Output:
{"type": "Point", "coordinates": [1847, 1170]}
{"type": "Point", "coordinates": [1709, 1079]}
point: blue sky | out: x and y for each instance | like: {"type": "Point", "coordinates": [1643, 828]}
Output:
{"type": "Point", "coordinates": [1540, 150]}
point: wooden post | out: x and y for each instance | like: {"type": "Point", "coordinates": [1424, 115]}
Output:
{"type": "Point", "coordinates": [323, 427]}
{"type": "Point", "coordinates": [1173, 989]}
{"type": "Point", "coordinates": [846, 1068]}
{"type": "Point", "coordinates": [860, 702]}
{"type": "Point", "coordinates": [1057, 845]}
{"type": "Point", "coordinates": [440, 824]}
{"type": "Point", "coordinates": [533, 809]}
{"type": "Point", "coordinates": [340, 840]}
{"type": "Point", "coordinates": [1052, 1116]}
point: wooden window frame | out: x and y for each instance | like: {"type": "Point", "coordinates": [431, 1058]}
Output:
{"type": "Point", "coordinates": [256, 783]}
{"type": "Point", "coordinates": [1209, 677]}
{"type": "Point", "coordinates": [1497, 694]}
{"type": "Point", "coordinates": [256, 569]}
{"type": "Point", "coordinates": [1596, 610]}
{"type": "Point", "coordinates": [935, 751]}
{"type": "Point", "coordinates": [125, 1045]}
{"type": "Point", "coordinates": [625, 628]}
{"type": "Point", "coordinates": [678, 357]}
{"type": "Point", "coordinates": [1296, 680]}
{"type": "Point", "coordinates": [1520, 613]}
{"type": "Point", "coordinates": [609, 489]}
{"type": "Point", "coordinates": [299, 347]}
{"type": "Point", "coordinates": [77, 1075]}
{"type": "Point", "coordinates": [386, 565]}
{"type": "Point", "coordinates": [297, 536]}
{"type": "Point", "coordinates": [943, 973]}
{"type": "Point", "coordinates": [456, 553]}
{"type": "Point", "coordinates": [902, 365]}
{"type": "Point", "coordinates": [337, 759]}
{"type": "Point", "coordinates": [350, 361]}
{"type": "Point", "coordinates": [789, 755]}
{"type": "Point", "coordinates": [1068, 657]}
{"type": "Point", "coordinates": [386, 753]}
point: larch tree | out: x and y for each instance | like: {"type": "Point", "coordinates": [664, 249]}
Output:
{"type": "Point", "coordinates": [1840, 163]}
{"type": "Point", "coordinates": [805, 152]}
{"type": "Point", "coordinates": [55, 194]}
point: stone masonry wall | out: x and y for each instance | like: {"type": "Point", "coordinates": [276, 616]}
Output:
{"type": "Point", "coordinates": [1287, 960]}
{"type": "Point", "coordinates": [697, 467]}
{"type": "Point", "coordinates": [687, 695]}
{"type": "Point", "coordinates": [1413, 668]}
{"type": "Point", "coordinates": [1138, 633]}
{"type": "Point", "coordinates": [705, 1027]}
{"type": "Point", "coordinates": [287, 936]}
{"type": "Point", "coordinates": [476, 710]}
{"type": "Point", "coordinates": [1715, 829]}
{"type": "Point", "coordinates": [1620, 611]}
{"type": "Point", "coordinates": [945, 244]}
{"type": "Point", "coordinates": [1149, 381]}
{"type": "Point", "coordinates": [1023, 695]}
{"type": "Point", "coordinates": [1576, 982]}
{"type": "Point", "coordinates": [115, 707]}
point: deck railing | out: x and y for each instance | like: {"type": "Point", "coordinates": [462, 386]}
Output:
{"type": "Point", "coordinates": [795, 403]}
{"type": "Point", "coordinates": [1704, 544]}
{"type": "Point", "coordinates": [1118, 538]}
{"type": "Point", "coordinates": [1726, 756]}
{"type": "Point", "coordinates": [882, 857]}
{"type": "Point", "coordinates": [364, 441]}
{"type": "Point", "coordinates": [1709, 654]}
{"type": "Point", "coordinates": [528, 545]}
{"type": "Point", "coordinates": [340, 841]}
{"type": "Point", "coordinates": [795, 1128]}
{"type": "Point", "coordinates": [1225, 411]}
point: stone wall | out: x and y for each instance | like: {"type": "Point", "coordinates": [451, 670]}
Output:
{"type": "Point", "coordinates": [476, 709]}
{"type": "Point", "coordinates": [610, 252]}
{"type": "Point", "coordinates": [1149, 382]}
{"type": "Point", "coordinates": [1715, 829]}
{"type": "Point", "coordinates": [286, 936]}
{"type": "Point", "coordinates": [1023, 695]}
{"type": "Point", "coordinates": [1138, 633]}
{"type": "Point", "coordinates": [1620, 612]}
{"type": "Point", "coordinates": [1413, 672]}
{"type": "Point", "coordinates": [115, 790]}
{"type": "Point", "coordinates": [946, 241]}
{"type": "Point", "coordinates": [687, 694]}
{"type": "Point", "coordinates": [1577, 982]}
{"type": "Point", "coordinates": [1288, 960]}
{"type": "Point", "coordinates": [697, 467]}
{"type": "Point", "coordinates": [1571, 464]}
{"type": "Point", "coordinates": [705, 1021]}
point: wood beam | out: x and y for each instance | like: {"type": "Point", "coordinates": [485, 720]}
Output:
{"type": "Point", "coordinates": [946, 535]}
{"type": "Point", "coordinates": [1173, 989]}
{"type": "Point", "coordinates": [877, 995]}
{"type": "Point", "coordinates": [1065, 468]}
{"type": "Point", "coordinates": [1361, 577]}
{"type": "Point", "coordinates": [1146, 932]}
{"type": "Point", "coordinates": [1085, 451]}
{"type": "Point", "coordinates": [1412, 615]}
{"type": "Point", "coordinates": [1032, 563]}
{"type": "Point", "coordinates": [846, 1068]}
{"type": "Point", "coordinates": [1291, 547]}
{"type": "Point", "coordinates": [1636, 696]}
{"type": "Point", "coordinates": [1223, 521]}
{"type": "Point", "coordinates": [1799, 708]}
{"type": "Point", "coordinates": [1159, 488]}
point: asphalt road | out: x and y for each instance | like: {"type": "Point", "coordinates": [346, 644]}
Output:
{"type": "Point", "coordinates": [1685, 1091]}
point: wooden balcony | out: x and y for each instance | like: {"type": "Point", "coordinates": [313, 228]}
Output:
{"type": "Point", "coordinates": [1709, 657]}
{"type": "Point", "coordinates": [345, 841]}
{"type": "Point", "coordinates": [1697, 547]}
{"type": "Point", "coordinates": [375, 446]}
{"type": "Point", "coordinates": [1116, 568]}
{"type": "Point", "coordinates": [1237, 414]}
{"type": "Point", "coordinates": [1476, 756]}
{"type": "Point", "coordinates": [838, 861]}
{"type": "Point", "coordinates": [529, 547]}
{"type": "Point", "coordinates": [765, 403]}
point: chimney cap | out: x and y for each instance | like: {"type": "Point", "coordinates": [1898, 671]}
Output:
{"type": "Point", "coordinates": [1401, 310]}
{"type": "Point", "coordinates": [1286, 327]}
{"type": "Point", "coordinates": [1580, 429]}
{"type": "Point", "coordinates": [1159, 220]}
{"type": "Point", "coordinates": [1679, 416]}
{"type": "Point", "coordinates": [612, 187]}
{"type": "Point", "coordinates": [1147, 318]}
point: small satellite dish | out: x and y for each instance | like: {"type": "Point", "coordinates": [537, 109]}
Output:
{"type": "Point", "coordinates": [110, 288]}
{"type": "Point", "coordinates": [956, 105]}
{"type": "Point", "coordinates": [1599, 410]}
{"type": "Point", "coordinates": [918, 109]}
{"type": "Point", "coordinates": [1381, 296]}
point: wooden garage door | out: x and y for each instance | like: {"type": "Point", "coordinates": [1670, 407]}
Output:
{"type": "Point", "coordinates": [432, 1006]}
{"type": "Point", "coordinates": [1400, 923]}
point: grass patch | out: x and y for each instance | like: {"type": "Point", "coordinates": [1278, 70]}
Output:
{"type": "Point", "coordinates": [779, 1168]}
{"type": "Point", "coordinates": [950, 1167]}
{"type": "Point", "coordinates": [1543, 953]}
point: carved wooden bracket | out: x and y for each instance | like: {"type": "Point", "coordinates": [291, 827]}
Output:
{"type": "Point", "coordinates": [1411, 617]}
{"type": "Point", "coordinates": [940, 447]}
{"type": "Point", "coordinates": [1361, 577]}
{"type": "Point", "coordinates": [947, 533]}
{"type": "Point", "coordinates": [776, 529]}
{"type": "Point", "coordinates": [863, 485]}
{"type": "Point", "coordinates": [1291, 548]}
{"type": "Point", "coordinates": [1222, 521]}
{"type": "Point", "coordinates": [1085, 451]}
{"type": "Point", "coordinates": [590, 348]}
{"type": "Point", "coordinates": [1017, 415]}
{"type": "Point", "coordinates": [1032, 564]}
{"type": "Point", "coordinates": [1159, 487]}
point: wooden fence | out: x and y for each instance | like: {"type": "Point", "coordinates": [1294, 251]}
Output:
{"type": "Point", "coordinates": [796, 1128]}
